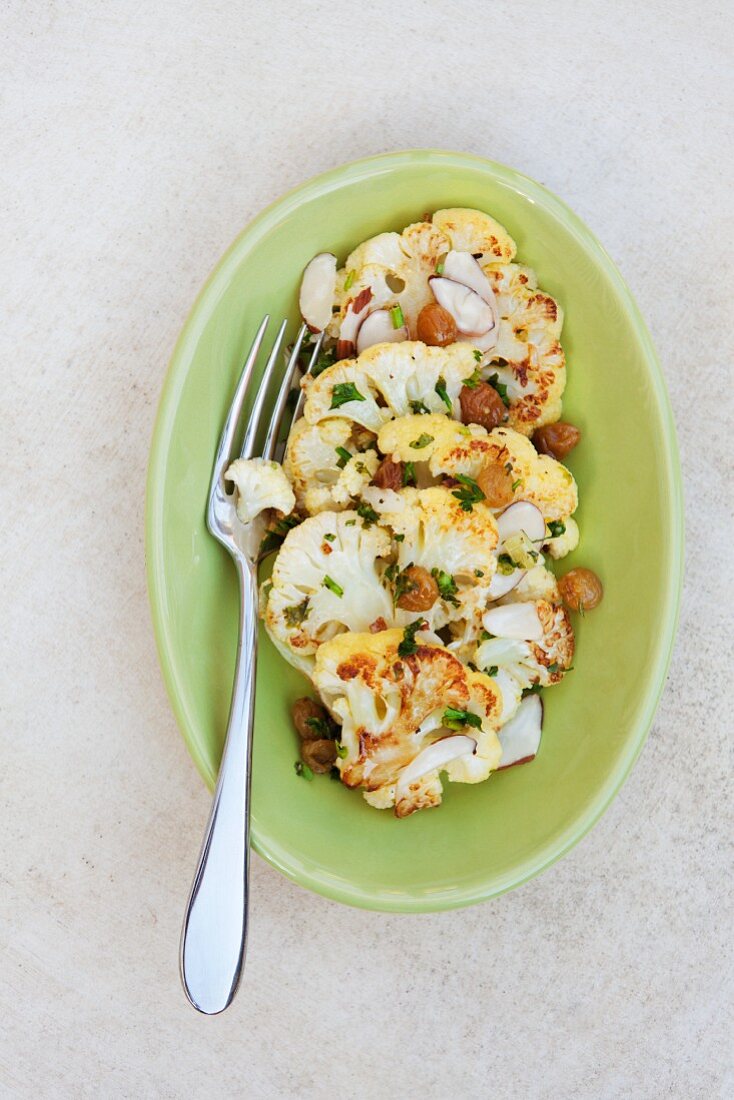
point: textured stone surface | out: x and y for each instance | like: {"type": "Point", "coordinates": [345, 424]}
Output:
{"type": "Point", "coordinates": [138, 139]}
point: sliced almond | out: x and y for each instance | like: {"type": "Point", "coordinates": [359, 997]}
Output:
{"type": "Point", "coordinates": [473, 316]}
{"type": "Point", "coordinates": [318, 287]}
{"type": "Point", "coordinates": [520, 738]}
{"type": "Point", "coordinates": [433, 757]}
{"type": "Point", "coordinates": [514, 620]}
{"type": "Point", "coordinates": [377, 328]}
{"type": "Point", "coordinates": [522, 516]}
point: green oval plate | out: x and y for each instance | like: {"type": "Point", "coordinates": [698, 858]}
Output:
{"type": "Point", "coordinates": [488, 838]}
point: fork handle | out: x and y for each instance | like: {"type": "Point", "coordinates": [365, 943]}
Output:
{"type": "Point", "coordinates": [214, 932]}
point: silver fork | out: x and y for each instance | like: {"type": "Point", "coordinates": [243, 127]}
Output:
{"type": "Point", "coordinates": [214, 934]}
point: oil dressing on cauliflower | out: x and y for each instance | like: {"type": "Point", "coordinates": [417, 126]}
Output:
{"type": "Point", "coordinates": [422, 497]}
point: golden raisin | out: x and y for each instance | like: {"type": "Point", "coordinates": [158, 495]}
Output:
{"type": "Point", "coordinates": [389, 475]}
{"type": "Point", "coordinates": [556, 439]}
{"type": "Point", "coordinates": [482, 405]}
{"type": "Point", "coordinates": [305, 709]}
{"type": "Point", "coordinates": [436, 326]}
{"type": "Point", "coordinates": [319, 755]}
{"type": "Point", "coordinates": [421, 592]}
{"type": "Point", "coordinates": [581, 589]}
{"type": "Point", "coordinates": [495, 481]}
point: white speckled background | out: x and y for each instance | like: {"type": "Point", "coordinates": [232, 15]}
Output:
{"type": "Point", "coordinates": [137, 140]}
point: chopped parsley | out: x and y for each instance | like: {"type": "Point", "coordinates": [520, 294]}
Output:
{"type": "Point", "coordinates": [505, 565]}
{"type": "Point", "coordinates": [321, 726]}
{"type": "Point", "coordinates": [485, 636]}
{"type": "Point", "coordinates": [477, 355]}
{"type": "Point", "coordinates": [399, 538]}
{"type": "Point", "coordinates": [556, 527]}
{"type": "Point", "coordinates": [303, 770]}
{"type": "Point", "coordinates": [408, 645]}
{"type": "Point", "coordinates": [469, 494]}
{"type": "Point", "coordinates": [422, 441]}
{"type": "Point", "coordinates": [534, 689]}
{"type": "Point", "coordinates": [296, 613]}
{"type": "Point", "coordinates": [440, 388]}
{"type": "Point", "coordinates": [516, 484]}
{"type": "Point", "coordinates": [341, 750]}
{"type": "Point", "coordinates": [478, 572]}
{"type": "Point", "coordinates": [501, 387]}
{"type": "Point", "coordinates": [446, 586]}
{"type": "Point", "coordinates": [331, 584]}
{"type": "Point", "coordinates": [396, 316]}
{"type": "Point", "coordinates": [273, 538]}
{"type": "Point", "coordinates": [325, 359]}
{"type": "Point", "coordinates": [439, 268]}
{"type": "Point", "coordinates": [403, 583]}
{"type": "Point", "coordinates": [492, 670]}
{"type": "Point", "coordinates": [455, 719]}
{"type": "Point", "coordinates": [409, 474]}
{"type": "Point", "coordinates": [367, 513]}
{"type": "Point", "coordinates": [344, 456]}
{"type": "Point", "coordinates": [553, 666]}
{"type": "Point", "coordinates": [343, 393]}
{"type": "Point", "coordinates": [418, 408]}
{"type": "Point", "coordinates": [350, 523]}
{"type": "Point", "coordinates": [473, 380]}
{"type": "Point", "coordinates": [351, 276]}
{"type": "Point", "coordinates": [329, 536]}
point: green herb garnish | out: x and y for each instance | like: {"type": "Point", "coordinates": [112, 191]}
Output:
{"type": "Point", "coordinates": [344, 456]}
{"type": "Point", "coordinates": [331, 584]}
{"type": "Point", "coordinates": [492, 670]}
{"type": "Point", "coordinates": [556, 527]}
{"type": "Point", "coordinates": [396, 316]}
{"type": "Point", "coordinates": [501, 387]}
{"type": "Point", "coordinates": [368, 514]}
{"type": "Point", "coordinates": [399, 538]}
{"type": "Point", "coordinates": [320, 725]}
{"type": "Point", "coordinates": [422, 441]}
{"type": "Point", "coordinates": [418, 408]}
{"type": "Point", "coordinates": [296, 613]}
{"type": "Point", "coordinates": [516, 484]}
{"type": "Point", "coordinates": [343, 393]}
{"type": "Point", "coordinates": [534, 689]}
{"type": "Point", "coordinates": [329, 536]}
{"type": "Point", "coordinates": [440, 388]}
{"type": "Point", "coordinates": [470, 493]}
{"type": "Point", "coordinates": [439, 268]}
{"type": "Point", "coordinates": [303, 770]}
{"type": "Point", "coordinates": [341, 750]}
{"type": "Point", "coordinates": [409, 473]}
{"type": "Point", "coordinates": [351, 276]}
{"type": "Point", "coordinates": [325, 359]}
{"type": "Point", "coordinates": [403, 583]}
{"type": "Point", "coordinates": [473, 380]}
{"type": "Point", "coordinates": [505, 565]}
{"type": "Point", "coordinates": [447, 588]}
{"type": "Point", "coordinates": [274, 537]}
{"type": "Point", "coordinates": [477, 355]}
{"type": "Point", "coordinates": [456, 719]}
{"type": "Point", "coordinates": [408, 645]}
{"type": "Point", "coordinates": [478, 572]}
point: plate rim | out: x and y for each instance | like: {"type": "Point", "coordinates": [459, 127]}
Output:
{"type": "Point", "coordinates": [175, 376]}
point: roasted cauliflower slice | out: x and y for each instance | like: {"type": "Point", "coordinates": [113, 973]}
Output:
{"type": "Point", "coordinates": [438, 533]}
{"type": "Point", "coordinates": [260, 485]}
{"type": "Point", "coordinates": [325, 580]}
{"type": "Point", "coordinates": [539, 479]}
{"type": "Point", "coordinates": [325, 465]}
{"type": "Point", "coordinates": [476, 232]}
{"type": "Point", "coordinates": [392, 703]}
{"type": "Point", "coordinates": [540, 660]}
{"type": "Point", "coordinates": [395, 269]}
{"type": "Point", "coordinates": [528, 359]}
{"type": "Point", "coordinates": [390, 380]}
